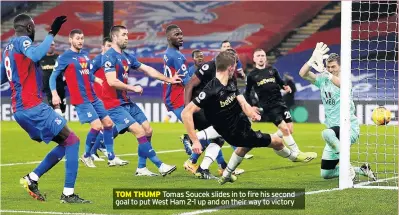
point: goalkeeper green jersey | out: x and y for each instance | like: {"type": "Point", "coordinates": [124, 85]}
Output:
{"type": "Point", "coordinates": [330, 96]}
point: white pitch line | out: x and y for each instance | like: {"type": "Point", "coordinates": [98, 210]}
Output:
{"type": "Point", "coordinates": [306, 193]}
{"type": "Point", "coordinates": [47, 212]}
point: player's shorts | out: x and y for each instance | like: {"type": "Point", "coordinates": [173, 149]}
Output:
{"type": "Point", "coordinates": [41, 122]}
{"type": "Point", "coordinates": [329, 153]}
{"type": "Point", "coordinates": [126, 115]}
{"type": "Point", "coordinates": [177, 113]}
{"type": "Point", "coordinates": [200, 121]}
{"type": "Point", "coordinates": [244, 136]}
{"type": "Point", "coordinates": [88, 112]}
{"type": "Point", "coordinates": [277, 114]}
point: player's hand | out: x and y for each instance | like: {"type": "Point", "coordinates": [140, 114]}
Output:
{"type": "Point", "coordinates": [287, 89]}
{"type": "Point", "coordinates": [255, 116]}
{"type": "Point", "coordinates": [256, 109]}
{"type": "Point", "coordinates": [136, 89]}
{"type": "Point", "coordinates": [319, 53]}
{"type": "Point", "coordinates": [57, 23]}
{"type": "Point", "coordinates": [197, 147]}
{"type": "Point", "coordinates": [177, 79]}
{"type": "Point", "coordinates": [56, 100]}
{"type": "Point", "coordinates": [241, 74]}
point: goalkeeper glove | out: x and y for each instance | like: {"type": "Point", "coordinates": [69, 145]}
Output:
{"type": "Point", "coordinates": [57, 23]}
{"type": "Point", "coordinates": [319, 53]}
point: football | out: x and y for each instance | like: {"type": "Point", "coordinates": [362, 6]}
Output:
{"type": "Point", "coordinates": [381, 116]}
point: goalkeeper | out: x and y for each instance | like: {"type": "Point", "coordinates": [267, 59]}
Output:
{"type": "Point", "coordinates": [327, 80]}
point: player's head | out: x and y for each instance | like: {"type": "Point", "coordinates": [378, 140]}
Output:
{"type": "Point", "coordinates": [198, 57]}
{"type": "Point", "coordinates": [259, 58]}
{"type": "Point", "coordinates": [51, 49]}
{"type": "Point", "coordinates": [174, 35]}
{"type": "Point", "coordinates": [333, 64]}
{"type": "Point", "coordinates": [225, 45]}
{"type": "Point", "coordinates": [24, 26]}
{"type": "Point", "coordinates": [226, 61]}
{"type": "Point", "coordinates": [119, 36]}
{"type": "Point", "coordinates": [107, 43]}
{"type": "Point", "coordinates": [76, 39]}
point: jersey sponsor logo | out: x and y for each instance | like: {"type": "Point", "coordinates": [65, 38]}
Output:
{"type": "Point", "coordinates": [83, 65]}
{"type": "Point", "coordinates": [48, 67]}
{"type": "Point", "coordinates": [266, 80]}
{"type": "Point", "coordinates": [328, 99]}
{"type": "Point", "coordinates": [228, 101]}
{"type": "Point", "coordinates": [84, 71]}
{"type": "Point", "coordinates": [126, 68]}
{"type": "Point", "coordinates": [125, 75]}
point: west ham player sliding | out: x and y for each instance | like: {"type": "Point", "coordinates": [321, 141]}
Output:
{"type": "Point", "coordinates": [75, 65]}
{"type": "Point", "coordinates": [228, 112]}
{"type": "Point", "coordinates": [267, 84]}
{"type": "Point", "coordinates": [327, 80]}
{"type": "Point", "coordinates": [39, 120]}
{"type": "Point", "coordinates": [126, 115]}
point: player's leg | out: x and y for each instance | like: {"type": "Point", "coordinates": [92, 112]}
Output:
{"type": "Point", "coordinates": [210, 155]}
{"type": "Point", "coordinates": [145, 147]}
{"type": "Point", "coordinates": [329, 163]}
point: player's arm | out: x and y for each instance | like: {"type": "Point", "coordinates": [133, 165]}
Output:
{"type": "Point", "coordinates": [188, 121]}
{"type": "Point", "coordinates": [334, 79]}
{"type": "Point", "coordinates": [251, 112]}
{"type": "Point", "coordinates": [188, 88]}
{"type": "Point", "coordinates": [153, 73]}
{"type": "Point", "coordinates": [108, 62]}
{"type": "Point", "coordinates": [59, 67]}
{"type": "Point", "coordinates": [248, 88]}
{"type": "Point", "coordinates": [280, 82]}
{"type": "Point", "coordinates": [306, 74]}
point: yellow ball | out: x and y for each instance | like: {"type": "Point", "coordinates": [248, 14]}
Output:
{"type": "Point", "coordinates": [166, 119]}
{"type": "Point", "coordinates": [381, 116]}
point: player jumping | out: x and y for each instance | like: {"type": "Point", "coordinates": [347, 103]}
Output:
{"type": "Point", "coordinates": [329, 84]}
{"type": "Point", "coordinates": [228, 112]}
{"type": "Point", "coordinates": [267, 84]}
{"type": "Point", "coordinates": [37, 118]}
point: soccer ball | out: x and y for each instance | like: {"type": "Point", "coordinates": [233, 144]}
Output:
{"type": "Point", "coordinates": [381, 116]}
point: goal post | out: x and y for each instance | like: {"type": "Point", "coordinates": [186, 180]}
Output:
{"type": "Point", "coordinates": [369, 73]}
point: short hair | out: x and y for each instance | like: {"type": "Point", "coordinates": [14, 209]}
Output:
{"type": "Point", "coordinates": [115, 29]}
{"type": "Point", "coordinates": [195, 51]}
{"type": "Point", "coordinates": [107, 39]}
{"type": "Point", "coordinates": [170, 27]}
{"type": "Point", "coordinates": [224, 41]}
{"type": "Point", "coordinates": [333, 57]}
{"type": "Point", "coordinates": [21, 20]}
{"type": "Point", "coordinates": [225, 59]}
{"type": "Point", "coordinates": [75, 31]}
{"type": "Point", "coordinates": [258, 50]}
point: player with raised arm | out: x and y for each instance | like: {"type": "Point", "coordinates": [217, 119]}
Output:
{"type": "Point", "coordinates": [228, 112]}
{"type": "Point", "coordinates": [39, 120]}
{"type": "Point", "coordinates": [75, 64]}
{"type": "Point", "coordinates": [198, 81]}
{"type": "Point", "coordinates": [267, 83]}
{"type": "Point", "coordinates": [329, 84]}
{"type": "Point", "coordinates": [126, 115]}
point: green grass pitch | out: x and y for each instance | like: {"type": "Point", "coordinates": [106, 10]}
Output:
{"type": "Point", "coordinates": [265, 170]}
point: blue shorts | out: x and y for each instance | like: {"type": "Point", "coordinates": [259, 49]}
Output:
{"type": "Point", "coordinates": [177, 112]}
{"type": "Point", "coordinates": [88, 112]}
{"type": "Point", "coordinates": [125, 115]}
{"type": "Point", "coordinates": [41, 122]}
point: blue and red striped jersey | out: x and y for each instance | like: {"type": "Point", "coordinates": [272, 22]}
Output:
{"type": "Point", "coordinates": [77, 75]}
{"type": "Point", "coordinates": [120, 63]}
{"type": "Point", "coordinates": [19, 66]}
{"type": "Point", "coordinates": [173, 94]}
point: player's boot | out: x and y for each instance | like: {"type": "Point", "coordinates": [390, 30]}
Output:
{"type": "Point", "coordinates": [237, 171]}
{"type": "Point", "coordinates": [190, 167]}
{"type": "Point", "coordinates": [222, 180]}
{"type": "Point", "coordinates": [144, 172]}
{"type": "Point", "coordinates": [248, 156]}
{"type": "Point", "coordinates": [73, 198]}
{"type": "Point", "coordinates": [87, 161]}
{"type": "Point", "coordinates": [32, 187]}
{"type": "Point", "coordinates": [104, 151]}
{"type": "Point", "coordinates": [204, 174]}
{"type": "Point", "coordinates": [165, 169]}
{"type": "Point", "coordinates": [305, 157]}
{"type": "Point", "coordinates": [186, 143]}
{"type": "Point", "coordinates": [117, 162]}
{"type": "Point", "coordinates": [96, 157]}
{"type": "Point", "coordinates": [368, 172]}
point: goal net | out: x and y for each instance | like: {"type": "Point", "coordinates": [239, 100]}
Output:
{"type": "Point", "coordinates": [373, 62]}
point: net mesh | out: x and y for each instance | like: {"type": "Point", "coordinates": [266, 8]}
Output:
{"type": "Point", "coordinates": [375, 83]}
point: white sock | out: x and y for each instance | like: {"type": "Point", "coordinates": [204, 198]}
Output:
{"type": "Point", "coordinates": [33, 176]}
{"type": "Point", "coordinates": [68, 191]}
{"type": "Point", "coordinates": [279, 133]}
{"type": "Point", "coordinates": [289, 140]}
{"type": "Point", "coordinates": [57, 110]}
{"type": "Point", "coordinates": [234, 161]}
{"type": "Point", "coordinates": [208, 133]}
{"type": "Point", "coordinates": [211, 152]}
{"type": "Point", "coordinates": [287, 153]}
